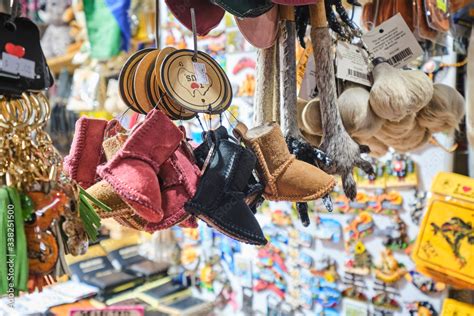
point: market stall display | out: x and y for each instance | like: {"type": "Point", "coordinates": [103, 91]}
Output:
{"type": "Point", "coordinates": [235, 157]}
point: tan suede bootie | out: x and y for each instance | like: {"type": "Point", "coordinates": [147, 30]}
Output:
{"type": "Point", "coordinates": [285, 177]}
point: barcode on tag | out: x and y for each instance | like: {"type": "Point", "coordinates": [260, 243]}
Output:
{"type": "Point", "coordinates": [357, 74]}
{"type": "Point", "coordinates": [352, 64]}
{"type": "Point", "coordinates": [393, 41]}
{"type": "Point", "coordinates": [201, 73]}
{"type": "Point", "coordinates": [404, 54]}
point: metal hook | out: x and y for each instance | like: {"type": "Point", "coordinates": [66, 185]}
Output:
{"type": "Point", "coordinates": [157, 23]}
{"type": "Point", "coordinates": [193, 22]}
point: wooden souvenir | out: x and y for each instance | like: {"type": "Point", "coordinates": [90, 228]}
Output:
{"type": "Point", "coordinates": [196, 82]}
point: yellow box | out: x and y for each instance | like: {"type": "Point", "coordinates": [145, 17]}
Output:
{"type": "Point", "coordinates": [454, 308]}
{"type": "Point", "coordinates": [444, 248]}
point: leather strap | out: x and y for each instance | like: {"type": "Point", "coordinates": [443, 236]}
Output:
{"type": "Point", "coordinates": [435, 142]}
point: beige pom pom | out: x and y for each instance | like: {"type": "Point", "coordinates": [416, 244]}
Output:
{"type": "Point", "coordinates": [410, 140]}
{"type": "Point", "coordinates": [397, 93]}
{"type": "Point", "coordinates": [445, 110]}
{"type": "Point", "coordinates": [398, 129]}
{"type": "Point", "coordinates": [356, 113]}
{"type": "Point", "coordinates": [311, 118]}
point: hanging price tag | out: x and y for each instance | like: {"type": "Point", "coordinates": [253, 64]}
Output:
{"type": "Point", "coordinates": [308, 85]}
{"type": "Point", "coordinates": [352, 64]}
{"type": "Point", "coordinates": [201, 73]}
{"type": "Point", "coordinates": [393, 41]}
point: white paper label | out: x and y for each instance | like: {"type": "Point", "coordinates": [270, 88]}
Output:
{"type": "Point", "coordinates": [26, 68]}
{"type": "Point", "coordinates": [393, 41]}
{"type": "Point", "coordinates": [17, 66]}
{"type": "Point", "coordinates": [10, 63]}
{"type": "Point", "coordinates": [201, 73]}
{"type": "Point", "coordinates": [308, 85]}
{"type": "Point", "coordinates": [352, 64]}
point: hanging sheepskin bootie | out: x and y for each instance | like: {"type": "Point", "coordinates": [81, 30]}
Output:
{"type": "Point", "coordinates": [254, 189]}
{"type": "Point", "coordinates": [86, 151]}
{"type": "Point", "coordinates": [220, 197]}
{"type": "Point", "coordinates": [173, 195]}
{"type": "Point", "coordinates": [285, 177]}
{"type": "Point", "coordinates": [445, 110]}
{"type": "Point", "coordinates": [133, 170]}
{"type": "Point", "coordinates": [397, 93]}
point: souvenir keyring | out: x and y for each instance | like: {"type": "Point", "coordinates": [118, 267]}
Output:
{"type": "Point", "coordinates": [45, 106]}
{"type": "Point", "coordinates": [4, 114]}
{"type": "Point", "coordinates": [37, 112]}
{"type": "Point", "coordinates": [167, 105]}
{"type": "Point", "coordinates": [208, 92]}
{"type": "Point", "coordinates": [142, 81]}
{"type": "Point", "coordinates": [126, 79]}
{"type": "Point", "coordinates": [14, 113]}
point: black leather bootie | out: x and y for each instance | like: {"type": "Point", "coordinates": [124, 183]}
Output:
{"type": "Point", "coordinates": [220, 198]}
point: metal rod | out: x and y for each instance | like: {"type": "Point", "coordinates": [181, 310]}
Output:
{"type": "Point", "coordinates": [157, 24]}
{"type": "Point", "coordinates": [193, 22]}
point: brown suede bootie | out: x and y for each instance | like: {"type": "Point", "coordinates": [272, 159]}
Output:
{"type": "Point", "coordinates": [285, 177]}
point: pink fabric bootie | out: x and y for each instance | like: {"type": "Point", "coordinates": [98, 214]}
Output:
{"type": "Point", "coordinates": [133, 171]}
{"type": "Point", "coordinates": [86, 151]}
{"type": "Point", "coordinates": [179, 176]}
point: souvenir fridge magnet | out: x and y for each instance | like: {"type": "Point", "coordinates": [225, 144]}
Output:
{"type": "Point", "coordinates": [383, 300]}
{"type": "Point", "coordinates": [326, 269]}
{"type": "Point", "coordinates": [360, 203]}
{"type": "Point", "coordinates": [359, 227]}
{"type": "Point", "coordinates": [281, 218]}
{"type": "Point", "coordinates": [374, 181]}
{"type": "Point", "coordinates": [401, 172]}
{"type": "Point", "coordinates": [301, 239]}
{"type": "Point", "coordinates": [417, 207]}
{"type": "Point", "coordinates": [423, 283]}
{"type": "Point", "coordinates": [422, 308]}
{"type": "Point", "coordinates": [388, 269]}
{"type": "Point", "coordinates": [361, 262]}
{"type": "Point", "coordinates": [391, 202]}
{"type": "Point", "coordinates": [328, 229]}
{"type": "Point", "coordinates": [355, 288]}
{"type": "Point", "coordinates": [396, 235]}
{"type": "Point", "coordinates": [354, 307]}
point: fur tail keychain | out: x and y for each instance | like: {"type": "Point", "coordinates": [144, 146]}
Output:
{"type": "Point", "coordinates": [397, 93]}
{"type": "Point", "coordinates": [288, 101]}
{"type": "Point", "coordinates": [336, 142]}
